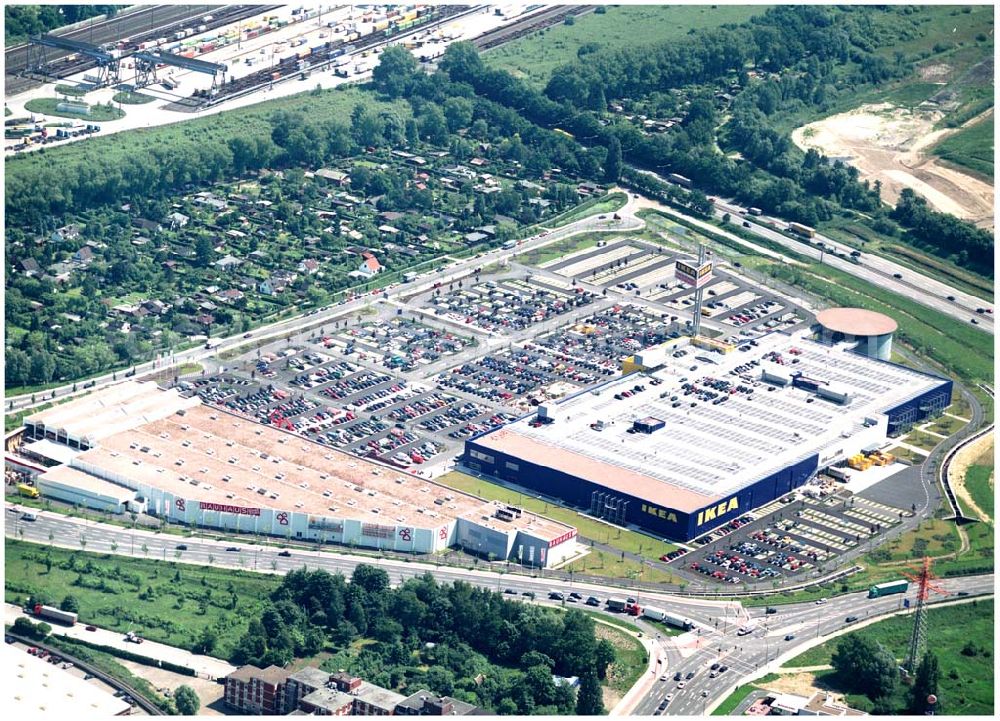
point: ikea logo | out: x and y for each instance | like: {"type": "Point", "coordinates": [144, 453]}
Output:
{"type": "Point", "coordinates": [713, 512]}
{"type": "Point", "coordinates": [659, 512]}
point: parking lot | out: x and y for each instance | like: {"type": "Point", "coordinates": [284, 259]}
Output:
{"type": "Point", "coordinates": [635, 267]}
{"type": "Point", "coordinates": [504, 306]}
{"type": "Point", "coordinates": [398, 343]}
{"type": "Point", "coordinates": [790, 537]}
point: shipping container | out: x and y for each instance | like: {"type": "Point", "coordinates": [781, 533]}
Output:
{"type": "Point", "coordinates": [887, 589]}
{"type": "Point", "coordinates": [54, 614]}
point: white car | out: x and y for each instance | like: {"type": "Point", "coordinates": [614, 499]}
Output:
{"type": "Point", "coordinates": [681, 684]}
{"type": "Point", "coordinates": [820, 601]}
{"type": "Point", "coordinates": [664, 677]}
{"type": "Point", "coordinates": [669, 697]}
{"type": "Point", "coordinates": [704, 693]}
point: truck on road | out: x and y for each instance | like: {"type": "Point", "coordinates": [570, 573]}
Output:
{"type": "Point", "coordinates": [616, 604]}
{"type": "Point", "coordinates": [54, 614]}
{"type": "Point", "coordinates": [747, 628]}
{"type": "Point", "coordinates": [212, 343]}
{"type": "Point", "coordinates": [803, 230]}
{"type": "Point", "coordinates": [888, 588]}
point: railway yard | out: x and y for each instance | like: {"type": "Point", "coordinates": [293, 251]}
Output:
{"type": "Point", "coordinates": [224, 57]}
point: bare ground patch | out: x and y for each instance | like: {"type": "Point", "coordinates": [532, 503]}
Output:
{"type": "Point", "coordinates": [889, 144]}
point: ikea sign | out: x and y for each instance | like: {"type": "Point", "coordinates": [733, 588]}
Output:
{"type": "Point", "coordinates": [720, 509]}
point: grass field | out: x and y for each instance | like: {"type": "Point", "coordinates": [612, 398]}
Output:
{"type": "Point", "coordinates": [741, 692]}
{"type": "Point", "coordinates": [970, 148]}
{"type": "Point", "coordinates": [601, 563]}
{"type": "Point", "coordinates": [535, 56]}
{"type": "Point", "coordinates": [933, 537]}
{"type": "Point", "coordinates": [98, 113]}
{"type": "Point", "coordinates": [595, 206]}
{"type": "Point", "coordinates": [588, 527]}
{"type": "Point", "coordinates": [630, 658]}
{"type": "Point", "coordinates": [966, 685]}
{"type": "Point", "coordinates": [167, 602]}
{"type": "Point", "coordinates": [70, 90]}
{"type": "Point", "coordinates": [946, 425]}
{"type": "Point", "coordinates": [250, 121]}
{"type": "Point", "coordinates": [132, 98]}
{"type": "Point", "coordinates": [922, 440]}
{"type": "Point", "coordinates": [977, 481]}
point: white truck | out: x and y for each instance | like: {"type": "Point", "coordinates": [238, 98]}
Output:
{"type": "Point", "coordinates": [746, 629]}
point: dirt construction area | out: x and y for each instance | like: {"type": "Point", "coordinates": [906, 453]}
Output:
{"type": "Point", "coordinates": [889, 144]}
{"type": "Point", "coordinates": [209, 693]}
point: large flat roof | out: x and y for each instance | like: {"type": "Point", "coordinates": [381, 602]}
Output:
{"type": "Point", "coordinates": [36, 687]}
{"type": "Point", "coordinates": [112, 410]}
{"type": "Point", "coordinates": [72, 478]}
{"type": "Point", "coordinates": [209, 455]}
{"type": "Point", "coordinates": [708, 452]}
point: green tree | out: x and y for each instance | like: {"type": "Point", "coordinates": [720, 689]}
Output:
{"type": "Point", "coordinates": [70, 604]}
{"type": "Point", "coordinates": [924, 684]}
{"type": "Point", "coordinates": [186, 701]}
{"type": "Point", "coordinates": [588, 698]}
{"type": "Point", "coordinates": [866, 665]}
{"type": "Point", "coordinates": [394, 73]}
{"type": "Point", "coordinates": [206, 640]}
{"type": "Point", "coordinates": [458, 113]}
{"type": "Point", "coordinates": [204, 251]}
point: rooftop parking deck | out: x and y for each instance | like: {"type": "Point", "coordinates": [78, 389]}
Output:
{"type": "Point", "coordinates": [724, 427]}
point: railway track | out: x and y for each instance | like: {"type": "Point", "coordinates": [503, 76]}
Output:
{"type": "Point", "coordinates": [138, 27]}
{"type": "Point", "coordinates": [519, 28]}
{"type": "Point", "coordinates": [288, 68]}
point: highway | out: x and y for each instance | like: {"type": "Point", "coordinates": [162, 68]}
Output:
{"type": "Point", "coordinates": [875, 269]}
{"type": "Point", "coordinates": [713, 640]}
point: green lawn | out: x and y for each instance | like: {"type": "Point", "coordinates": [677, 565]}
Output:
{"type": "Point", "coordinates": [977, 481]}
{"type": "Point", "coordinates": [71, 90]}
{"type": "Point", "coordinates": [630, 658]}
{"type": "Point", "coordinates": [535, 56]}
{"type": "Point", "coordinates": [594, 206]}
{"type": "Point", "coordinates": [588, 527]}
{"type": "Point", "coordinates": [970, 148]}
{"type": "Point", "coordinates": [966, 686]}
{"type": "Point", "coordinates": [98, 113]}
{"type": "Point", "coordinates": [741, 692]}
{"type": "Point", "coordinates": [946, 425]}
{"type": "Point", "coordinates": [610, 565]}
{"type": "Point", "coordinates": [922, 440]}
{"type": "Point", "coordinates": [114, 592]}
{"type": "Point", "coordinates": [538, 256]}
{"type": "Point", "coordinates": [132, 98]}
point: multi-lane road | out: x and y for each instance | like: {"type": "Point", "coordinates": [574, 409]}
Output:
{"type": "Point", "coordinates": [714, 639]}
{"type": "Point", "coordinates": [875, 269]}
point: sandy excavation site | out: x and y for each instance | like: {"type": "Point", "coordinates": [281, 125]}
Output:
{"type": "Point", "coordinates": [889, 144]}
